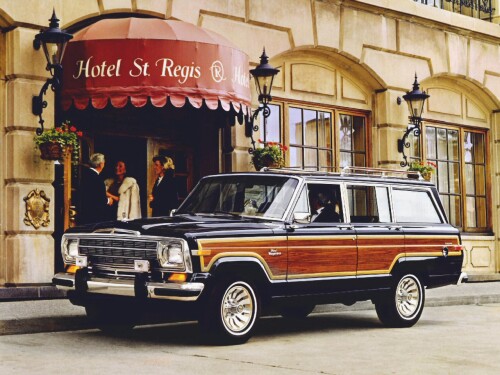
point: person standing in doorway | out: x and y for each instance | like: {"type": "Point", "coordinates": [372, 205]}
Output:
{"type": "Point", "coordinates": [163, 197]}
{"type": "Point", "coordinates": [124, 191]}
{"type": "Point", "coordinates": [93, 200]}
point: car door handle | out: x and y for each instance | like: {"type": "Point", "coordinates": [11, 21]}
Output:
{"type": "Point", "coordinates": [346, 227]}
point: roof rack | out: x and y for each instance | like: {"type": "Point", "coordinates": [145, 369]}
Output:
{"type": "Point", "coordinates": [298, 171]}
{"type": "Point", "coordinates": [381, 172]}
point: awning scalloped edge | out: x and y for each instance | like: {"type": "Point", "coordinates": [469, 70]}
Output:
{"type": "Point", "coordinates": [178, 101]}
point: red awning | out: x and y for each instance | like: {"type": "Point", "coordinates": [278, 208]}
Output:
{"type": "Point", "coordinates": [136, 59]}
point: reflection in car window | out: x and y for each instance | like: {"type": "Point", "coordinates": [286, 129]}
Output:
{"type": "Point", "coordinates": [414, 206]}
{"type": "Point", "coordinates": [262, 196]}
{"type": "Point", "coordinates": [369, 204]}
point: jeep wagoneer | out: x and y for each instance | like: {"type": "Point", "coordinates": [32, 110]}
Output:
{"type": "Point", "coordinates": [245, 242]}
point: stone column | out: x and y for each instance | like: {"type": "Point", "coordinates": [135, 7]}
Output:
{"type": "Point", "coordinates": [389, 124]}
{"type": "Point", "coordinates": [27, 248]}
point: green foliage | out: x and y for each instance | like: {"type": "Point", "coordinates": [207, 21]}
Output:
{"type": "Point", "coordinates": [67, 135]}
{"type": "Point", "coordinates": [271, 154]}
{"type": "Point", "coordinates": [423, 168]}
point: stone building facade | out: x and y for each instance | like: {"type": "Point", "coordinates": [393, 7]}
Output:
{"type": "Point", "coordinates": [343, 64]}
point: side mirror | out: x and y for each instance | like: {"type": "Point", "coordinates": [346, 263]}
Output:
{"type": "Point", "coordinates": [301, 217]}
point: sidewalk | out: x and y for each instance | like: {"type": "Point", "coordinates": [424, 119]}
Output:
{"type": "Point", "coordinates": [60, 315]}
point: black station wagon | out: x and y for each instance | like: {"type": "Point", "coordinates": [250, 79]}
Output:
{"type": "Point", "coordinates": [244, 243]}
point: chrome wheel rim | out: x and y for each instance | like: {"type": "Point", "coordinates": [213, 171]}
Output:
{"type": "Point", "coordinates": [238, 308]}
{"type": "Point", "coordinates": [408, 297]}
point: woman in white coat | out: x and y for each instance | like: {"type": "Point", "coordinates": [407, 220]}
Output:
{"type": "Point", "coordinates": [124, 191]}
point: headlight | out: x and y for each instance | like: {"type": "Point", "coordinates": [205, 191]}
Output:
{"type": "Point", "coordinates": [69, 249]}
{"type": "Point", "coordinates": [171, 254]}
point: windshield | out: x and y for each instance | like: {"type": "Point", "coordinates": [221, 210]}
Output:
{"type": "Point", "coordinates": [245, 195]}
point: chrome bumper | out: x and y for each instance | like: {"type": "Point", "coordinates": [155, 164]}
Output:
{"type": "Point", "coordinates": [170, 291]}
{"type": "Point", "coordinates": [463, 278]}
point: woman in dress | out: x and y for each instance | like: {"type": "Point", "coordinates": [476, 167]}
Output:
{"type": "Point", "coordinates": [124, 191]}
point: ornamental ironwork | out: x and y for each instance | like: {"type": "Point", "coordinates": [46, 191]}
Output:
{"type": "Point", "coordinates": [475, 8]}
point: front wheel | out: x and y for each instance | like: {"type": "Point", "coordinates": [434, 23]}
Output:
{"type": "Point", "coordinates": [231, 313]}
{"type": "Point", "coordinates": [404, 304]}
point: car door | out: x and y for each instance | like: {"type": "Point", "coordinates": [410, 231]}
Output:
{"type": "Point", "coordinates": [322, 256]}
{"type": "Point", "coordinates": [380, 241]}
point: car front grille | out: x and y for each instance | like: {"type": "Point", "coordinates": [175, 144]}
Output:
{"type": "Point", "coordinates": [117, 253]}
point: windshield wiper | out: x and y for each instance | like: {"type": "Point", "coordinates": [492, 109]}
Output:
{"type": "Point", "coordinates": [226, 213]}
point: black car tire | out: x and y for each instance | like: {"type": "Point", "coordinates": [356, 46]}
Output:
{"type": "Point", "coordinates": [232, 311]}
{"type": "Point", "coordinates": [404, 304]}
{"type": "Point", "coordinates": [296, 312]}
{"type": "Point", "coordinates": [113, 318]}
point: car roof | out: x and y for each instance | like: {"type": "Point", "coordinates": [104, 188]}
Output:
{"type": "Point", "coordinates": [353, 174]}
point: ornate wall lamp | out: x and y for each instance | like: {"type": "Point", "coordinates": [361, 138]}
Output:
{"type": "Point", "coordinates": [54, 41]}
{"type": "Point", "coordinates": [415, 100]}
{"type": "Point", "coordinates": [264, 76]}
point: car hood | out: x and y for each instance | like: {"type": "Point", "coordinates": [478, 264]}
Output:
{"type": "Point", "coordinates": [185, 226]}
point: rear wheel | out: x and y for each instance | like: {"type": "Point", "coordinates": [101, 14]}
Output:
{"type": "Point", "coordinates": [231, 313]}
{"type": "Point", "coordinates": [113, 317]}
{"type": "Point", "coordinates": [404, 304]}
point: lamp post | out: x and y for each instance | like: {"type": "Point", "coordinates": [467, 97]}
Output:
{"type": "Point", "coordinates": [264, 75]}
{"type": "Point", "coordinates": [415, 100]}
{"type": "Point", "coordinates": [53, 41]}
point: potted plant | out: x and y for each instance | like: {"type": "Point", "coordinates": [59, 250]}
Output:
{"type": "Point", "coordinates": [269, 155]}
{"type": "Point", "coordinates": [425, 169]}
{"type": "Point", "coordinates": [55, 142]}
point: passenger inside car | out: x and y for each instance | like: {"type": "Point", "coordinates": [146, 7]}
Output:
{"type": "Point", "coordinates": [325, 205]}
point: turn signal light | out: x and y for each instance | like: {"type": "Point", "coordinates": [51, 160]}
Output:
{"type": "Point", "coordinates": [177, 277]}
{"type": "Point", "coordinates": [72, 268]}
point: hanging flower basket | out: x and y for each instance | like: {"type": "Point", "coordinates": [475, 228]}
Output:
{"type": "Point", "coordinates": [425, 169]}
{"type": "Point", "coordinates": [56, 142]}
{"type": "Point", "coordinates": [271, 155]}
{"type": "Point", "coordinates": [51, 151]}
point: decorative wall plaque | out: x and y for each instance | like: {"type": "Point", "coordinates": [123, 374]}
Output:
{"type": "Point", "coordinates": [37, 209]}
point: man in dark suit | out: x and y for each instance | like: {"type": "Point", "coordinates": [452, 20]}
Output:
{"type": "Point", "coordinates": [93, 199]}
{"type": "Point", "coordinates": [324, 209]}
{"type": "Point", "coordinates": [163, 197]}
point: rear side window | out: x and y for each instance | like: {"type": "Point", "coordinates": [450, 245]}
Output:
{"type": "Point", "coordinates": [414, 206]}
{"type": "Point", "coordinates": [369, 204]}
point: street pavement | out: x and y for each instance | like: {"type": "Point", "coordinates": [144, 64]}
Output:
{"type": "Point", "coordinates": [21, 317]}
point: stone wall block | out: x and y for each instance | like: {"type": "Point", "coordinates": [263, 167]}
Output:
{"type": "Point", "coordinates": [483, 56]}
{"type": "Point", "coordinates": [362, 28]}
{"type": "Point", "coordinates": [397, 71]}
{"type": "Point", "coordinates": [22, 58]}
{"type": "Point", "coordinates": [192, 13]}
{"type": "Point", "coordinates": [30, 259]}
{"type": "Point", "coordinates": [426, 42]}
{"type": "Point", "coordinates": [457, 54]}
{"type": "Point", "coordinates": [328, 24]}
{"type": "Point", "coordinates": [78, 11]}
{"type": "Point", "coordinates": [158, 7]}
{"type": "Point", "coordinates": [23, 162]}
{"type": "Point", "coordinates": [115, 5]}
{"type": "Point", "coordinates": [35, 12]}
{"type": "Point", "coordinates": [16, 211]}
{"type": "Point", "coordinates": [19, 96]}
{"type": "Point", "coordinates": [250, 38]}
{"type": "Point", "coordinates": [293, 15]}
